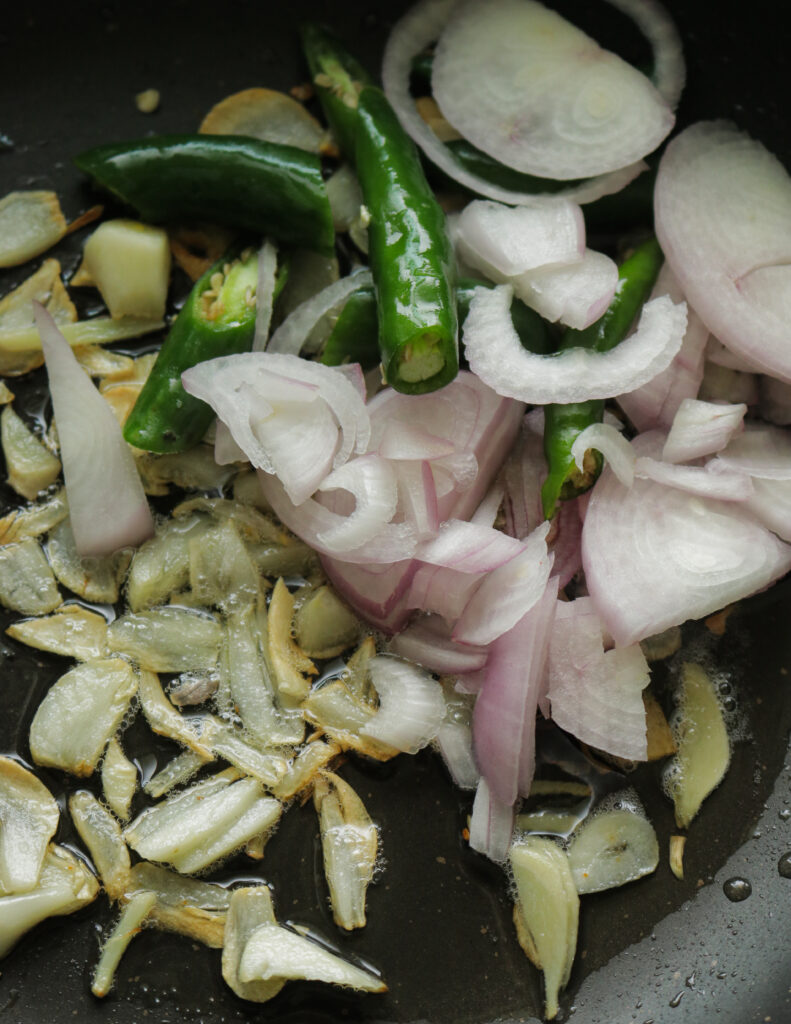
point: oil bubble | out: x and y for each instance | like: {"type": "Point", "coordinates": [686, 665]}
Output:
{"type": "Point", "coordinates": [737, 889]}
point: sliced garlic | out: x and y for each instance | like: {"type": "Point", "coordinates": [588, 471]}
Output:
{"type": "Point", "coordinates": [160, 567]}
{"type": "Point", "coordinates": [28, 820]}
{"type": "Point", "coordinates": [548, 911]}
{"type": "Point", "coordinates": [64, 886]}
{"type": "Point", "coordinates": [167, 639]}
{"type": "Point", "coordinates": [129, 263]}
{"type": "Point", "coordinates": [250, 908]}
{"type": "Point", "coordinates": [30, 223]}
{"type": "Point", "coordinates": [23, 524]}
{"type": "Point", "coordinates": [335, 710]}
{"type": "Point", "coordinates": [80, 713]}
{"type": "Point", "coordinates": [349, 842]}
{"type": "Point", "coordinates": [703, 748]}
{"type": "Point", "coordinates": [31, 466]}
{"type": "Point", "coordinates": [119, 780]}
{"type": "Point", "coordinates": [27, 585]}
{"type": "Point", "coordinates": [72, 631]}
{"type": "Point", "coordinates": [290, 665]}
{"type": "Point", "coordinates": [610, 848]}
{"type": "Point", "coordinates": [324, 625]}
{"type": "Point", "coordinates": [101, 833]}
{"type": "Point", "coordinates": [274, 952]}
{"type": "Point", "coordinates": [167, 720]}
{"type": "Point", "coordinates": [95, 579]}
{"type": "Point", "coordinates": [221, 571]}
{"type": "Point", "coordinates": [304, 767]}
{"type": "Point", "coordinates": [175, 773]}
{"type": "Point", "coordinates": [128, 925]}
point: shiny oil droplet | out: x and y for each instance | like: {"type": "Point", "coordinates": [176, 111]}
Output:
{"type": "Point", "coordinates": [737, 889]}
{"type": "Point", "coordinates": [676, 1000]}
{"type": "Point", "coordinates": [785, 814]}
{"type": "Point", "coordinates": [784, 865]}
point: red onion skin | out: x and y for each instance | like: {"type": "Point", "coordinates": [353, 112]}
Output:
{"type": "Point", "coordinates": [505, 711]}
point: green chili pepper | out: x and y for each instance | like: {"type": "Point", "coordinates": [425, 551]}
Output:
{"type": "Point", "coordinates": [217, 319]}
{"type": "Point", "coordinates": [563, 423]}
{"type": "Point", "coordinates": [227, 179]}
{"type": "Point", "coordinates": [338, 78]}
{"type": "Point", "coordinates": [354, 337]}
{"type": "Point", "coordinates": [410, 253]}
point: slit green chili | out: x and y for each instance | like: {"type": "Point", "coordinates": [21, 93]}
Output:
{"type": "Point", "coordinates": [338, 78]}
{"type": "Point", "coordinates": [225, 179]}
{"type": "Point", "coordinates": [410, 253]}
{"type": "Point", "coordinates": [564, 423]}
{"type": "Point", "coordinates": [217, 319]}
{"type": "Point", "coordinates": [354, 339]}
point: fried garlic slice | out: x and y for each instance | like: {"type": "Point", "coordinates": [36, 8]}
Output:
{"type": "Point", "coordinates": [126, 927]}
{"type": "Point", "coordinates": [349, 842]}
{"type": "Point", "coordinates": [27, 585]}
{"type": "Point", "coordinates": [175, 773]}
{"type": "Point", "coordinates": [95, 579]}
{"type": "Point", "coordinates": [611, 847]}
{"type": "Point", "coordinates": [30, 465]}
{"type": "Point", "coordinates": [31, 522]}
{"type": "Point", "coordinates": [160, 567]}
{"type": "Point", "coordinates": [64, 886]}
{"type": "Point", "coordinates": [186, 906]}
{"type": "Point", "coordinates": [325, 626]}
{"type": "Point", "coordinates": [267, 115]}
{"type": "Point", "coordinates": [222, 573]}
{"type": "Point", "coordinates": [273, 952]}
{"type": "Point", "coordinates": [546, 912]}
{"type": "Point", "coordinates": [167, 639]}
{"type": "Point", "coordinates": [119, 780]}
{"type": "Point", "coordinates": [30, 223]}
{"type": "Point", "coordinates": [80, 713]}
{"type": "Point", "coordinates": [101, 833]}
{"type": "Point", "coordinates": [167, 720]}
{"type": "Point", "coordinates": [16, 313]}
{"type": "Point", "coordinates": [301, 771]}
{"type": "Point", "coordinates": [290, 665]}
{"type": "Point", "coordinates": [203, 824]}
{"type": "Point", "coordinates": [72, 631]}
{"type": "Point", "coordinates": [250, 908]}
{"type": "Point", "coordinates": [335, 710]}
{"type": "Point", "coordinates": [28, 820]}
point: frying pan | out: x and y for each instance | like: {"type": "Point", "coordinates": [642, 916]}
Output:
{"type": "Point", "coordinates": [439, 928]}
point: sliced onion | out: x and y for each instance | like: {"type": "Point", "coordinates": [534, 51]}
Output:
{"type": "Point", "coordinates": [403, 440]}
{"type": "Point", "coordinates": [291, 335]}
{"type": "Point", "coordinates": [612, 445]}
{"type": "Point", "coordinates": [655, 556]}
{"type": "Point", "coordinates": [701, 428]}
{"type": "Point", "coordinates": [377, 590]}
{"type": "Point", "coordinates": [107, 504]}
{"type": "Point", "coordinates": [436, 588]}
{"type": "Point", "coordinates": [714, 480]}
{"type": "Point", "coordinates": [486, 513]}
{"type": "Point", "coordinates": [761, 451]}
{"type": "Point", "coordinates": [655, 404]}
{"type": "Point", "coordinates": [717, 353]}
{"type": "Point", "coordinates": [264, 295]}
{"type": "Point", "coordinates": [596, 696]}
{"type": "Point", "coordinates": [534, 92]}
{"type": "Point", "coordinates": [469, 548]}
{"type": "Point", "coordinates": [417, 497]}
{"type": "Point", "coordinates": [491, 824]}
{"type": "Point", "coordinates": [507, 593]}
{"type": "Point", "coordinates": [770, 503]}
{"type": "Point", "coordinates": [505, 241]}
{"type": "Point", "coordinates": [497, 356]}
{"type": "Point", "coordinates": [668, 73]}
{"type": "Point", "coordinates": [576, 294]}
{"type": "Point", "coordinates": [419, 27]}
{"type": "Point", "coordinates": [524, 474]}
{"type": "Point", "coordinates": [722, 207]}
{"type": "Point", "coordinates": [411, 705]}
{"type": "Point", "coordinates": [505, 711]}
{"type": "Point", "coordinates": [318, 526]}
{"type": "Point", "coordinates": [284, 413]}
{"type": "Point", "coordinates": [372, 482]}
{"type": "Point", "coordinates": [427, 641]}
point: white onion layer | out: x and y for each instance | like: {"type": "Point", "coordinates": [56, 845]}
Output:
{"type": "Point", "coordinates": [264, 295]}
{"type": "Point", "coordinates": [497, 356]}
{"type": "Point", "coordinates": [655, 556]}
{"type": "Point", "coordinates": [292, 334]}
{"type": "Point", "coordinates": [701, 428]}
{"type": "Point", "coordinates": [420, 26]}
{"type": "Point", "coordinates": [608, 440]}
{"type": "Point", "coordinates": [534, 92]}
{"type": "Point", "coordinates": [411, 705]}
{"type": "Point", "coordinates": [576, 294]}
{"type": "Point", "coordinates": [107, 504]}
{"type": "Point", "coordinates": [722, 208]}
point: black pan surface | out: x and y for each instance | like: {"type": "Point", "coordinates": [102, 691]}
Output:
{"type": "Point", "coordinates": [440, 930]}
